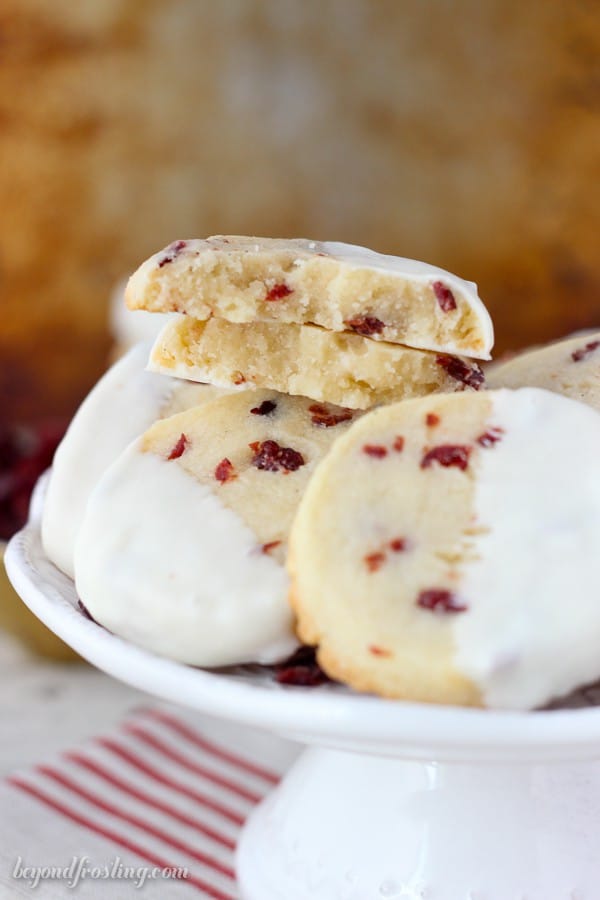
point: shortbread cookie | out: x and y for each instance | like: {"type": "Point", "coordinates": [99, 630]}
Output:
{"type": "Point", "coordinates": [125, 402]}
{"type": "Point", "coordinates": [338, 286]}
{"type": "Point", "coordinates": [183, 544]}
{"type": "Point", "coordinates": [570, 367]}
{"type": "Point", "coordinates": [448, 550]}
{"type": "Point", "coordinates": [307, 360]}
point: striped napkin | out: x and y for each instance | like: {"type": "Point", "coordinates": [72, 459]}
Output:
{"type": "Point", "coordinates": [152, 810]}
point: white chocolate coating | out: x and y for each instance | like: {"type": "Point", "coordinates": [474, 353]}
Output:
{"type": "Point", "coordinates": [126, 400]}
{"type": "Point", "coordinates": [161, 561]}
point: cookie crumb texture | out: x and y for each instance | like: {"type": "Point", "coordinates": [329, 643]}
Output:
{"type": "Point", "coordinates": [456, 554]}
{"type": "Point", "coordinates": [338, 286]}
{"type": "Point", "coordinates": [305, 360]}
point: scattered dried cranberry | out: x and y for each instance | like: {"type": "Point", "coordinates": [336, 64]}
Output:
{"type": "Point", "coordinates": [578, 355]}
{"type": "Point", "coordinates": [365, 325]}
{"type": "Point", "coordinates": [375, 450]}
{"type": "Point", "coordinates": [447, 455]}
{"type": "Point", "coordinates": [326, 418]}
{"type": "Point", "coordinates": [266, 548]}
{"type": "Point", "coordinates": [380, 651]}
{"type": "Point", "coordinates": [225, 471]}
{"type": "Point", "coordinates": [444, 296]}
{"type": "Point", "coordinates": [374, 561]}
{"type": "Point", "coordinates": [265, 408]}
{"type": "Point", "coordinates": [398, 545]}
{"type": "Point", "coordinates": [440, 600]}
{"type": "Point", "coordinates": [179, 448]}
{"type": "Point", "coordinates": [301, 669]}
{"type": "Point", "coordinates": [432, 420]}
{"type": "Point", "coordinates": [471, 376]}
{"type": "Point", "coordinates": [491, 437]}
{"type": "Point", "coordinates": [399, 444]}
{"type": "Point", "coordinates": [172, 251]}
{"type": "Point", "coordinates": [269, 455]}
{"type": "Point", "coordinates": [238, 378]}
{"type": "Point", "coordinates": [278, 292]}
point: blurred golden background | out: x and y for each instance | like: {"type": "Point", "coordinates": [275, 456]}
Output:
{"type": "Point", "coordinates": [465, 133]}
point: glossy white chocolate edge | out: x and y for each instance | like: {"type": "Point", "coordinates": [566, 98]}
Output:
{"type": "Point", "coordinates": [130, 326]}
{"type": "Point", "coordinates": [162, 562]}
{"type": "Point", "coordinates": [538, 493]}
{"type": "Point", "coordinates": [122, 405]}
{"type": "Point", "coordinates": [359, 257]}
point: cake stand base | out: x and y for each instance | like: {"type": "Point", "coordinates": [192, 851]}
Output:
{"type": "Point", "coordinates": [343, 826]}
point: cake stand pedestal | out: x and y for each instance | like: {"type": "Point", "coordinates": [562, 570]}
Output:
{"type": "Point", "coordinates": [391, 800]}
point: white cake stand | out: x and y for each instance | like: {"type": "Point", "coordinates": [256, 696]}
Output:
{"type": "Point", "coordinates": [391, 800]}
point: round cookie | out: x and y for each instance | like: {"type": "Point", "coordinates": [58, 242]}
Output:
{"type": "Point", "coordinates": [307, 360]}
{"type": "Point", "coordinates": [570, 367]}
{"type": "Point", "coordinates": [125, 402]}
{"type": "Point", "coordinates": [448, 550]}
{"type": "Point", "coordinates": [341, 287]}
{"type": "Point", "coordinates": [183, 544]}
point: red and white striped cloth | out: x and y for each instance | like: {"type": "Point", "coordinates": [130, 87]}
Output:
{"type": "Point", "coordinates": [166, 789]}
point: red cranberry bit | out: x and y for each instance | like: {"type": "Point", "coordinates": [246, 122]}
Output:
{"type": "Point", "coordinates": [225, 471]}
{"type": "Point", "coordinates": [491, 437]}
{"type": "Point", "coordinates": [447, 455]}
{"type": "Point", "coordinates": [365, 325]}
{"type": "Point", "coordinates": [172, 251]}
{"type": "Point", "coordinates": [301, 668]}
{"type": "Point", "coordinates": [265, 408]}
{"type": "Point", "coordinates": [431, 420]}
{"type": "Point", "coordinates": [398, 545]}
{"type": "Point", "coordinates": [374, 561]}
{"type": "Point", "coordinates": [578, 355]}
{"type": "Point", "coordinates": [179, 448]}
{"type": "Point", "coordinates": [266, 548]}
{"type": "Point", "coordinates": [380, 651]}
{"type": "Point", "coordinates": [471, 376]}
{"type": "Point", "coordinates": [326, 418]}
{"type": "Point", "coordinates": [278, 292]}
{"type": "Point", "coordinates": [269, 455]}
{"type": "Point", "coordinates": [238, 378]}
{"type": "Point", "coordinates": [399, 444]}
{"type": "Point", "coordinates": [444, 296]}
{"type": "Point", "coordinates": [375, 450]}
{"type": "Point", "coordinates": [440, 601]}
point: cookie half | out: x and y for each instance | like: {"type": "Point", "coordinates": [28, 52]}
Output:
{"type": "Point", "coordinates": [338, 286]}
{"type": "Point", "coordinates": [125, 402]}
{"type": "Point", "coordinates": [448, 550]}
{"type": "Point", "coordinates": [306, 360]}
{"type": "Point", "coordinates": [570, 367]}
{"type": "Point", "coordinates": [183, 544]}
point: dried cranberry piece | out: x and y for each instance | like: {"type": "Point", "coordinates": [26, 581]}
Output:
{"type": "Point", "coordinates": [447, 455]}
{"type": "Point", "coordinates": [326, 418]}
{"type": "Point", "coordinates": [444, 296]}
{"type": "Point", "coordinates": [578, 355]}
{"type": "Point", "coordinates": [238, 378]}
{"type": "Point", "coordinates": [172, 251]}
{"type": "Point", "coordinates": [398, 545]}
{"type": "Point", "coordinates": [278, 292]}
{"type": "Point", "coordinates": [440, 600]}
{"type": "Point", "coordinates": [380, 651]}
{"type": "Point", "coordinates": [491, 437]}
{"type": "Point", "coordinates": [399, 444]}
{"type": "Point", "coordinates": [266, 548]}
{"type": "Point", "coordinates": [225, 471]}
{"type": "Point", "coordinates": [269, 455]}
{"type": "Point", "coordinates": [377, 451]}
{"type": "Point", "coordinates": [179, 448]}
{"type": "Point", "coordinates": [265, 408]}
{"type": "Point", "coordinates": [301, 669]}
{"type": "Point", "coordinates": [431, 420]}
{"type": "Point", "coordinates": [374, 561]}
{"type": "Point", "coordinates": [365, 325]}
{"type": "Point", "coordinates": [471, 376]}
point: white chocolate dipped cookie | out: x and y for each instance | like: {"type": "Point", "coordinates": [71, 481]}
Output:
{"type": "Point", "coordinates": [183, 544]}
{"type": "Point", "coordinates": [448, 550]}
{"type": "Point", "coordinates": [125, 402]}
{"type": "Point", "coordinates": [341, 287]}
{"type": "Point", "coordinates": [334, 367]}
{"type": "Point", "coordinates": [570, 367]}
